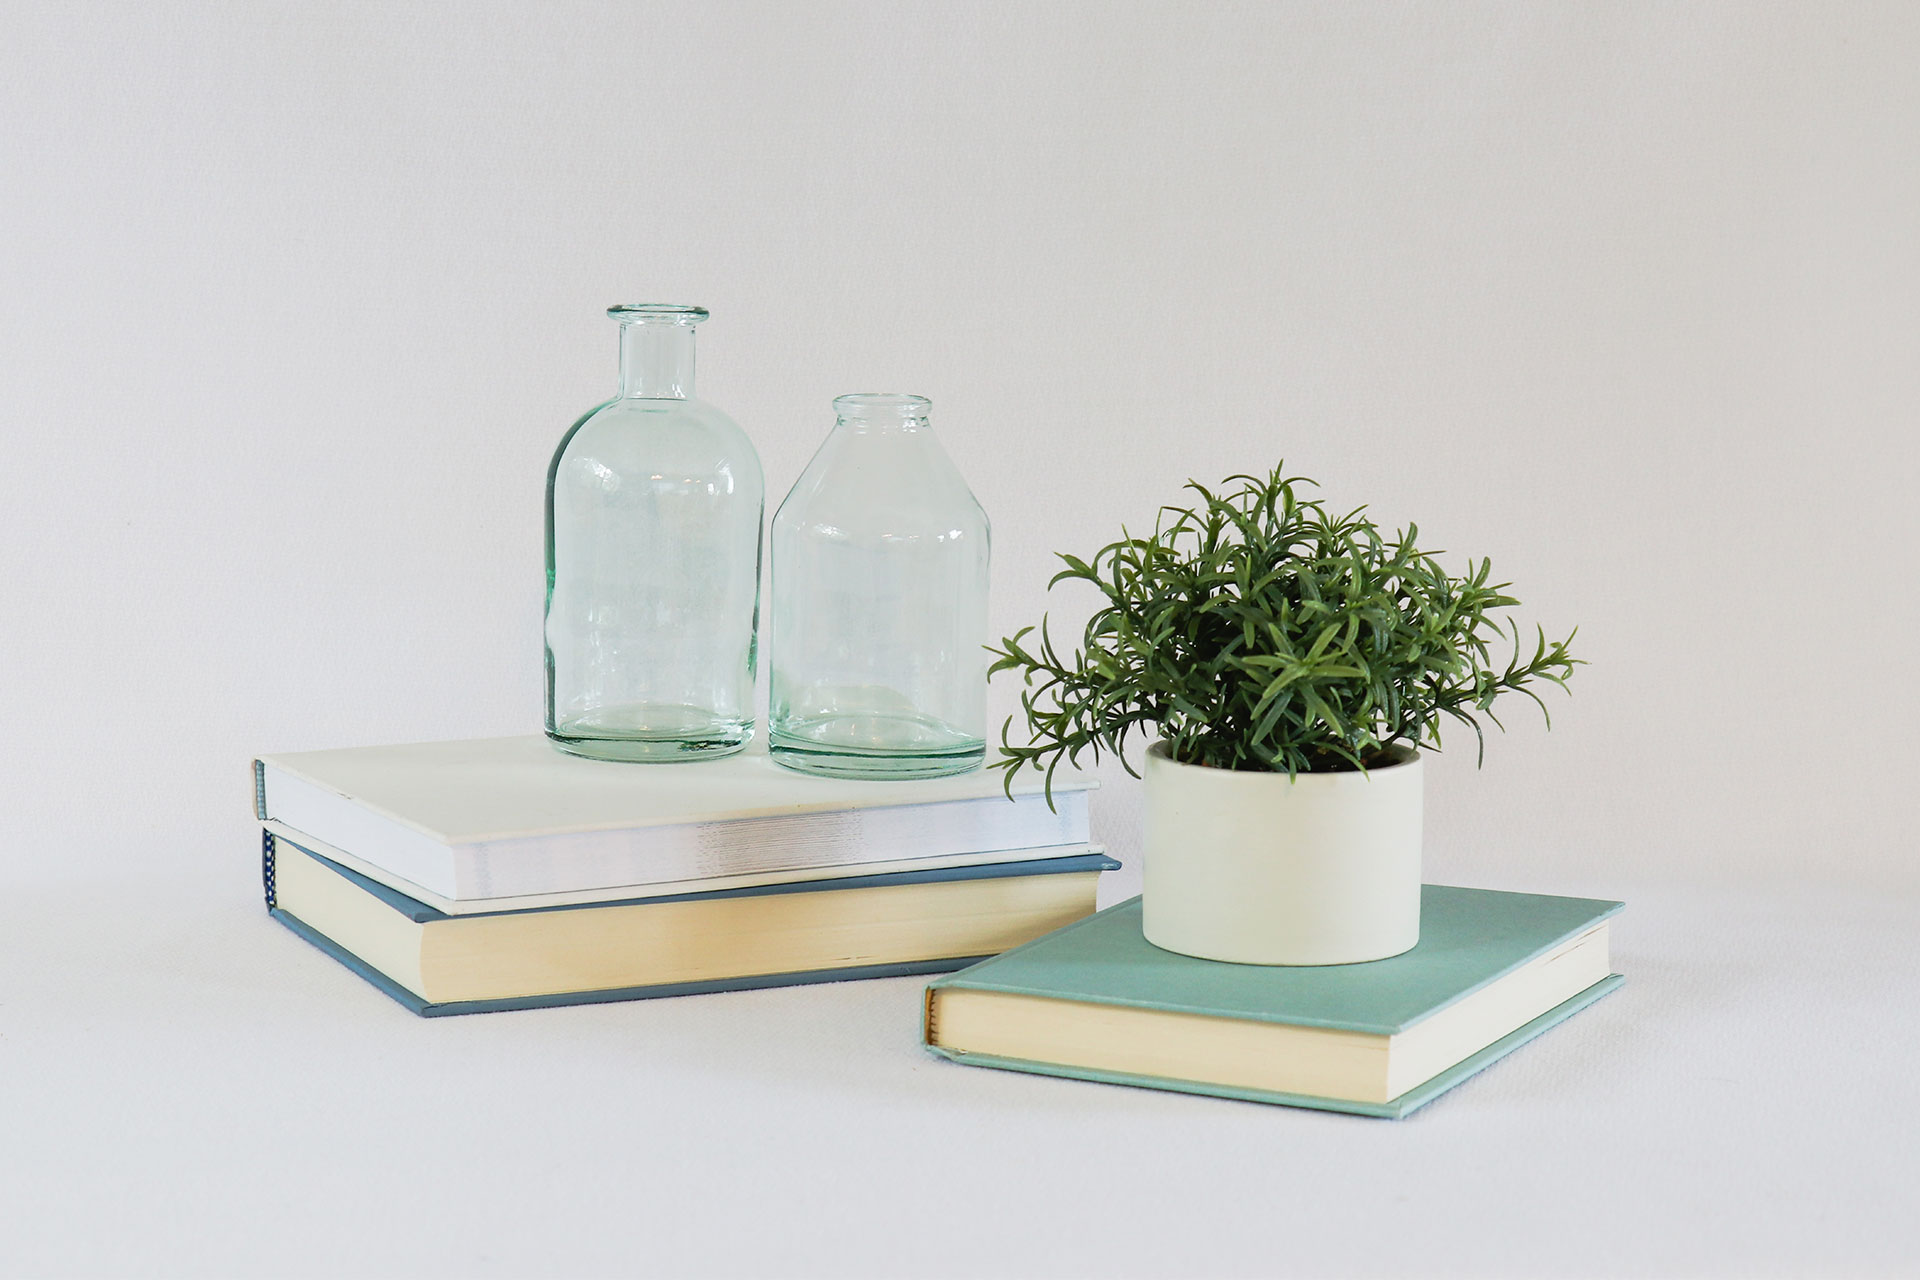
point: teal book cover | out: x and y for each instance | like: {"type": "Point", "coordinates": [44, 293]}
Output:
{"type": "Point", "coordinates": [1470, 940]}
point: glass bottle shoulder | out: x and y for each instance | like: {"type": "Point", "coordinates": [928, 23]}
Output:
{"type": "Point", "coordinates": [672, 440]}
{"type": "Point", "coordinates": [874, 485]}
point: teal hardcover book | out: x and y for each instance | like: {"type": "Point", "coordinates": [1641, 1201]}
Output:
{"type": "Point", "coordinates": [873, 926]}
{"type": "Point", "coordinates": [1097, 1001]}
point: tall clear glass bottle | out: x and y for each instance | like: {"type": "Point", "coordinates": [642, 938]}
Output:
{"type": "Point", "coordinates": [654, 505]}
{"type": "Point", "coordinates": [879, 609]}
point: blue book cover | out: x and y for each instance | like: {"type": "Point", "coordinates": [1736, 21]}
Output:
{"type": "Point", "coordinates": [353, 915]}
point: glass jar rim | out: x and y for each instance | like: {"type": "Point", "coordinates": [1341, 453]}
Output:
{"type": "Point", "coordinates": [656, 313]}
{"type": "Point", "coordinates": [882, 404]}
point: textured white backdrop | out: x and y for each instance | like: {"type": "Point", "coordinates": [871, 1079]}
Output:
{"type": "Point", "coordinates": [296, 301]}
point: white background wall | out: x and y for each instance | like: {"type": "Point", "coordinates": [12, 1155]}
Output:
{"type": "Point", "coordinates": [296, 301]}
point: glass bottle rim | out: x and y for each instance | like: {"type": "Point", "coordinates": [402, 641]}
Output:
{"type": "Point", "coordinates": [882, 404]}
{"type": "Point", "coordinates": [657, 313]}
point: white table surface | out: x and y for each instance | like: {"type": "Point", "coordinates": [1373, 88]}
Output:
{"type": "Point", "coordinates": [190, 1090]}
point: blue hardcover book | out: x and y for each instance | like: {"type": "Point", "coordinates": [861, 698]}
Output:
{"type": "Point", "coordinates": [1097, 1001]}
{"type": "Point", "coordinates": [833, 930]}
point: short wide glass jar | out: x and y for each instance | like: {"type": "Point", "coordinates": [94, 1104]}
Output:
{"type": "Point", "coordinates": [878, 626]}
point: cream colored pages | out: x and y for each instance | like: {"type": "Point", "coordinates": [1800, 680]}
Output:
{"type": "Point", "coordinates": [1270, 1056]}
{"type": "Point", "coordinates": [650, 944]}
{"type": "Point", "coordinates": [714, 939]}
{"type": "Point", "coordinates": [1460, 1030]}
{"type": "Point", "coordinates": [1162, 1044]}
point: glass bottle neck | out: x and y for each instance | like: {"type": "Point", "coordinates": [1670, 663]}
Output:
{"type": "Point", "coordinates": [656, 361]}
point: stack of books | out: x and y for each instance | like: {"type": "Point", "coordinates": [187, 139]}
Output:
{"type": "Point", "coordinates": [465, 877]}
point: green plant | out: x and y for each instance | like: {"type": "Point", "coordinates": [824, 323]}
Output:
{"type": "Point", "coordinates": [1252, 630]}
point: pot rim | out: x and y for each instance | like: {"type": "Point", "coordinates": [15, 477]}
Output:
{"type": "Point", "coordinates": [1404, 756]}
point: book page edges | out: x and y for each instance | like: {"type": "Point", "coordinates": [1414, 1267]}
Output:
{"type": "Point", "coordinates": [713, 884]}
{"type": "Point", "coordinates": [385, 940]}
{"type": "Point", "coordinates": [681, 944]}
{"type": "Point", "coordinates": [709, 939]}
{"type": "Point", "coordinates": [1242, 1052]}
{"type": "Point", "coordinates": [1160, 1045]}
{"type": "Point", "coordinates": [427, 1009]}
{"type": "Point", "coordinates": [1395, 1109]}
{"type": "Point", "coordinates": [1433, 1044]}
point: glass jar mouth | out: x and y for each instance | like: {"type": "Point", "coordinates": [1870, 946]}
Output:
{"type": "Point", "coordinates": [657, 313]}
{"type": "Point", "coordinates": [869, 406]}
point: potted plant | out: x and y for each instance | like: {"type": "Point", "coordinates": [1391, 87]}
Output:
{"type": "Point", "coordinates": [1292, 664]}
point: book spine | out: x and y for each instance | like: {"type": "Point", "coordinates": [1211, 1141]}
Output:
{"type": "Point", "coordinates": [260, 790]}
{"type": "Point", "coordinates": [266, 868]}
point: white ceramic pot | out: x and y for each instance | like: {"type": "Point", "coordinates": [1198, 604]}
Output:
{"type": "Point", "coordinates": [1260, 868]}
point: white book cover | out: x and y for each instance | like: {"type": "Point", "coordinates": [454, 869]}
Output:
{"type": "Point", "coordinates": [620, 893]}
{"type": "Point", "coordinates": [514, 817]}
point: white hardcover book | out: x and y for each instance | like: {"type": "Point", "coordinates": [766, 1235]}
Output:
{"type": "Point", "coordinates": [620, 893]}
{"type": "Point", "coordinates": [508, 818]}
